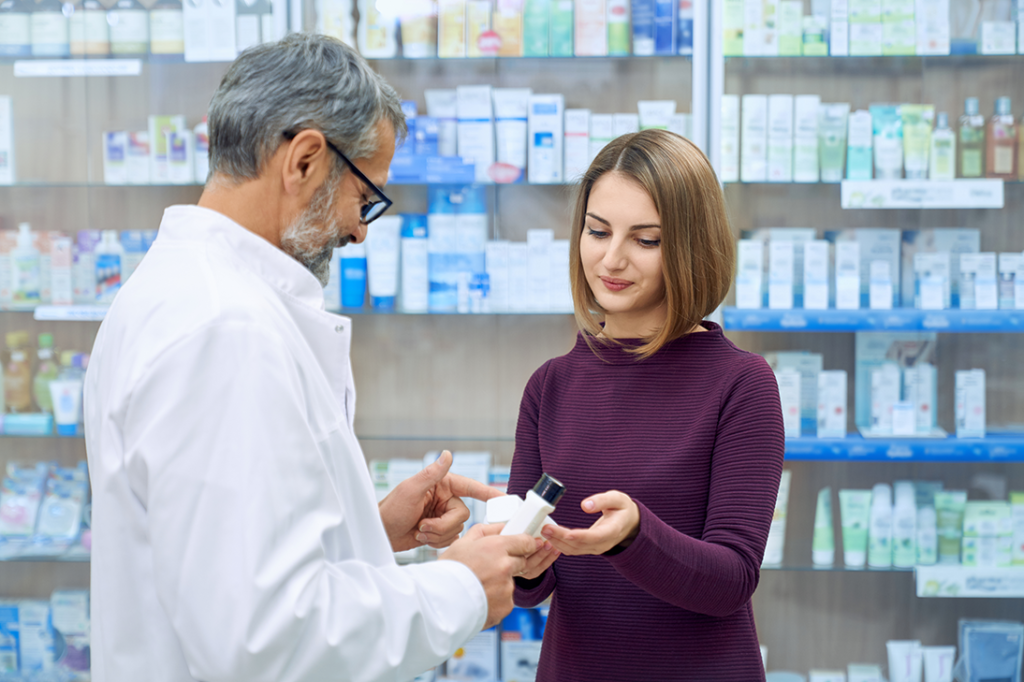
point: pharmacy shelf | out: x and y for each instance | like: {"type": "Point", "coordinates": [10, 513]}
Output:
{"type": "Point", "coordinates": [926, 194]}
{"type": "Point", "coordinates": [897, 319]}
{"type": "Point", "coordinates": [1001, 447]}
{"type": "Point", "coordinates": [836, 568]}
{"type": "Point", "coordinates": [970, 582]}
{"type": "Point", "coordinates": [74, 555]}
{"type": "Point", "coordinates": [69, 313]}
{"type": "Point", "coordinates": [957, 57]}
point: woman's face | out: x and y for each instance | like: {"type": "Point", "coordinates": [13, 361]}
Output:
{"type": "Point", "coordinates": [620, 250]}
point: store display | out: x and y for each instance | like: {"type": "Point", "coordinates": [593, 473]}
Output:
{"type": "Point", "coordinates": [457, 256]}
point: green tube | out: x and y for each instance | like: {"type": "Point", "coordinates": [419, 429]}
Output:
{"type": "Point", "coordinates": [949, 512]}
{"type": "Point", "coordinates": [823, 547]}
{"type": "Point", "coordinates": [854, 509]}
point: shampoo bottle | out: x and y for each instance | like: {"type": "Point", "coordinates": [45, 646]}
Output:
{"type": "Point", "coordinates": [26, 270]}
{"type": "Point", "coordinates": [18, 373]}
{"type": "Point", "coordinates": [88, 28]}
{"type": "Point", "coordinates": [167, 30]}
{"type": "Point", "coordinates": [47, 370]}
{"type": "Point", "coordinates": [129, 28]}
{"type": "Point", "coordinates": [971, 150]}
{"type": "Point", "coordinates": [51, 30]}
{"type": "Point", "coordinates": [943, 155]}
{"type": "Point", "coordinates": [540, 502]}
{"type": "Point", "coordinates": [15, 28]}
{"type": "Point", "coordinates": [880, 527]}
{"type": "Point", "coordinates": [1001, 150]}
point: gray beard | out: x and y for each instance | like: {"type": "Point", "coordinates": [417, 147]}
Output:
{"type": "Point", "coordinates": [304, 239]}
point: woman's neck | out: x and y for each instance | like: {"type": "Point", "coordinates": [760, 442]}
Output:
{"type": "Point", "coordinates": [634, 325]}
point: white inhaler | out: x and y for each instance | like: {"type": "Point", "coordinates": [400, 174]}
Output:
{"type": "Point", "coordinates": [539, 503]}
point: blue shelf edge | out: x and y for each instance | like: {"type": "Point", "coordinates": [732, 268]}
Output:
{"type": "Point", "coordinates": [897, 319]}
{"type": "Point", "coordinates": [1000, 447]}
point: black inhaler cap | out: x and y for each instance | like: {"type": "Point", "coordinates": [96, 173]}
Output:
{"type": "Point", "coordinates": [549, 489]}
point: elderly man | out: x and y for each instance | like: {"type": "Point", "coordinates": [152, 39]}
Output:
{"type": "Point", "coordinates": [236, 532]}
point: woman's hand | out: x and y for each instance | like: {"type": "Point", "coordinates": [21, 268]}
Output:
{"type": "Point", "coordinates": [540, 561]}
{"type": "Point", "coordinates": [618, 525]}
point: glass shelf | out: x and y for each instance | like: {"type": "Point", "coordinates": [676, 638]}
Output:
{"type": "Point", "coordinates": [87, 313]}
{"type": "Point", "coordinates": [478, 60]}
{"type": "Point", "coordinates": [998, 447]}
{"type": "Point", "coordinates": [897, 319]}
{"type": "Point", "coordinates": [836, 568]}
{"type": "Point", "coordinates": [74, 555]}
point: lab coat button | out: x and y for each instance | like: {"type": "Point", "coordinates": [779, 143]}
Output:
{"type": "Point", "coordinates": [340, 328]}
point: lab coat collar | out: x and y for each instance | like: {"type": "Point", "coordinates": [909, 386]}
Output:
{"type": "Point", "coordinates": [193, 223]}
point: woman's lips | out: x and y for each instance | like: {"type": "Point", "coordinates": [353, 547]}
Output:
{"type": "Point", "coordinates": [614, 284]}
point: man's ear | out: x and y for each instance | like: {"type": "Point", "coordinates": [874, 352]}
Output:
{"type": "Point", "coordinates": [306, 163]}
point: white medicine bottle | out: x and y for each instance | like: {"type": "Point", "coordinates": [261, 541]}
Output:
{"type": "Point", "coordinates": [25, 266]}
{"type": "Point", "coordinates": [539, 503]}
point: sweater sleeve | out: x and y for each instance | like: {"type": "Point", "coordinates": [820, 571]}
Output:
{"type": "Point", "coordinates": [717, 573]}
{"type": "Point", "coordinates": [526, 470]}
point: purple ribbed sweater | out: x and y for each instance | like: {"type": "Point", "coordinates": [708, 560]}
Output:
{"type": "Point", "coordinates": [694, 435]}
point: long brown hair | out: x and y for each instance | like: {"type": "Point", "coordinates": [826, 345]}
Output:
{"type": "Point", "coordinates": [697, 246]}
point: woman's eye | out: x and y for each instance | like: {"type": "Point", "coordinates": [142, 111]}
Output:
{"type": "Point", "coordinates": [649, 243]}
{"type": "Point", "coordinates": [596, 233]}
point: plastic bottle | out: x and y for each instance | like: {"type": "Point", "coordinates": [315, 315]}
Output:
{"type": "Point", "coordinates": [15, 28]}
{"type": "Point", "coordinates": [942, 160]}
{"type": "Point", "coordinates": [971, 149]}
{"type": "Point", "coordinates": [880, 527]}
{"type": "Point", "coordinates": [46, 371]}
{"type": "Point", "coordinates": [109, 260]}
{"type": "Point", "coordinates": [129, 28]}
{"type": "Point", "coordinates": [167, 30]}
{"type": "Point", "coordinates": [50, 30]}
{"type": "Point", "coordinates": [201, 135]}
{"type": "Point", "coordinates": [25, 270]}
{"type": "Point", "coordinates": [89, 32]}
{"type": "Point", "coordinates": [927, 537]}
{"type": "Point", "coordinates": [1001, 148]}
{"type": "Point", "coordinates": [18, 373]}
{"type": "Point", "coordinates": [904, 526]}
{"type": "Point", "coordinates": [539, 502]}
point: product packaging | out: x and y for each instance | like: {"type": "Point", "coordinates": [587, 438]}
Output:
{"type": "Point", "coordinates": [545, 134]}
{"type": "Point", "coordinates": [832, 404]}
{"type": "Point", "coordinates": [773, 551]}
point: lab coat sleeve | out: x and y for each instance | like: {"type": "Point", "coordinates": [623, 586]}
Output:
{"type": "Point", "coordinates": [254, 558]}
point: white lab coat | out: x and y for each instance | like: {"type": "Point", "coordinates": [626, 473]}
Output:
{"type": "Point", "coordinates": [235, 528]}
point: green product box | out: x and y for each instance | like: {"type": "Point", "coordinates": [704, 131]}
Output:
{"type": "Point", "coordinates": [865, 11]}
{"type": "Point", "coordinates": [561, 28]}
{"type": "Point", "coordinates": [791, 14]}
{"type": "Point", "coordinates": [898, 10]}
{"type": "Point", "coordinates": [814, 30]}
{"type": "Point", "coordinates": [899, 38]}
{"type": "Point", "coordinates": [536, 28]}
{"type": "Point", "coordinates": [732, 23]}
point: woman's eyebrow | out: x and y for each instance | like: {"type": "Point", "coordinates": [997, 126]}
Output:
{"type": "Point", "coordinates": [643, 226]}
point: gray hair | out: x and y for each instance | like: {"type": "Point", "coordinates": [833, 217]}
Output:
{"type": "Point", "coordinates": [305, 81]}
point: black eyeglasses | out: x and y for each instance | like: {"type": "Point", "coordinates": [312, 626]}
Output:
{"type": "Point", "coordinates": [378, 201]}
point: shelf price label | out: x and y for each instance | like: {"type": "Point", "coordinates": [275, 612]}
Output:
{"type": "Point", "coordinates": [888, 194]}
{"type": "Point", "coordinates": [65, 68]}
{"type": "Point", "coordinates": [965, 581]}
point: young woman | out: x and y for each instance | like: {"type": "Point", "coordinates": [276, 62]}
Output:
{"type": "Point", "coordinates": [668, 437]}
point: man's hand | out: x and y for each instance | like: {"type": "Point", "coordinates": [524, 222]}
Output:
{"type": "Point", "coordinates": [425, 509]}
{"type": "Point", "coordinates": [494, 559]}
{"type": "Point", "coordinates": [618, 525]}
